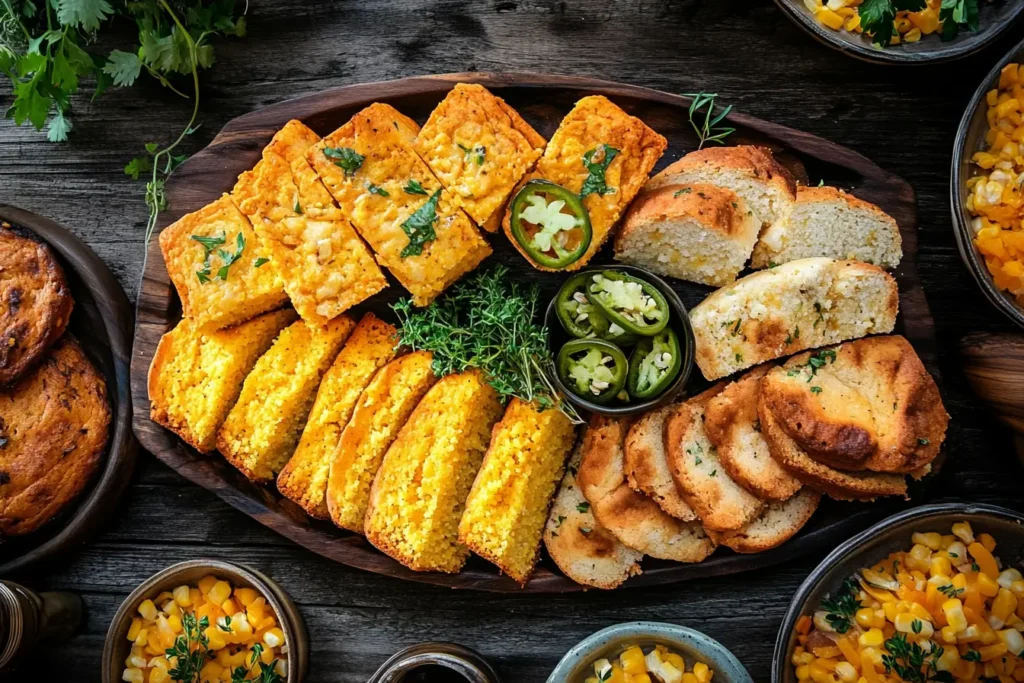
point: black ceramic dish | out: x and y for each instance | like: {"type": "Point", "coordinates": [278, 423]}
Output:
{"type": "Point", "coordinates": [995, 19]}
{"type": "Point", "coordinates": [679, 322]}
{"type": "Point", "coordinates": [891, 534]}
{"type": "Point", "coordinates": [428, 660]}
{"type": "Point", "coordinates": [970, 138]}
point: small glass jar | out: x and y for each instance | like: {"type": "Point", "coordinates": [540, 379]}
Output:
{"type": "Point", "coordinates": [27, 618]}
{"type": "Point", "coordinates": [436, 663]}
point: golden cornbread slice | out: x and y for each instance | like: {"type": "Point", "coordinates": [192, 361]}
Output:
{"type": "Point", "coordinates": [420, 490]}
{"type": "Point", "coordinates": [389, 194]}
{"type": "Point", "coordinates": [262, 429]}
{"type": "Point", "coordinates": [596, 128]}
{"type": "Point", "coordinates": [326, 268]}
{"type": "Point", "coordinates": [383, 408]}
{"type": "Point", "coordinates": [211, 256]}
{"type": "Point", "coordinates": [304, 479]}
{"type": "Point", "coordinates": [479, 148]}
{"type": "Point", "coordinates": [196, 376]}
{"type": "Point", "coordinates": [508, 505]}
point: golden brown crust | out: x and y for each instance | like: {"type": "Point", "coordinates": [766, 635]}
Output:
{"type": "Point", "coordinates": [777, 523]}
{"type": "Point", "coordinates": [714, 207]}
{"type": "Point", "coordinates": [53, 432]}
{"type": "Point", "coordinates": [647, 464]}
{"type": "Point", "coordinates": [755, 160]}
{"type": "Point", "coordinates": [827, 193]}
{"type": "Point", "coordinates": [35, 304]}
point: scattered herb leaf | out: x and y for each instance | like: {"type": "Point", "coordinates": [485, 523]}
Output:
{"type": "Point", "coordinates": [345, 158]}
{"type": "Point", "coordinates": [420, 227]}
{"type": "Point", "coordinates": [595, 182]}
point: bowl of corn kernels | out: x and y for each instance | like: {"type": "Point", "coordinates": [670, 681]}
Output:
{"type": "Point", "coordinates": [987, 185]}
{"type": "Point", "coordinates": [206, 620]}
{"type": "Point", "coordinates": [934, 593]}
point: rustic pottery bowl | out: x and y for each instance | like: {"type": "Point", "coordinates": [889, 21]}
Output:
{"type": "Point", "coordinates": [433, 657]}
{"type": "Point", "coordinates": [577, 664]}
{"type": "Point", "coordinates": [680, 324]}
{"type": "Point", "coordinates": [889, 535]}
{"type": "Point", "coordinates": [117, 647]}
{"type": "Point", "coordinates": [970, 138]}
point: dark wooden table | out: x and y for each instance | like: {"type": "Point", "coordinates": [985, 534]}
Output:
{"type": "Point", "coordinates": [902, 118]}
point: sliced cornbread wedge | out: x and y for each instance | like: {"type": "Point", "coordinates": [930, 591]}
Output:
{"type": "Point", "coordinates": [211, 257]}
{"type": "Point", "coordinates": [697, 232]}
{"type": "Point", "coordinates": [647, 467]}
{"type": "Point", "coordinates": [799, 305]}
{"type": "Point", "coordinates": [383, 408]}
{"type": "Point", "coordinates": [264, 426]}
{"type": "Point", "coordinates": [585, 551]}
{"type": "Point", "coordinates": [826, 221]}
{"type": "Point", "coordinates": [778, 522]}
{"type": "Point", "coordinates": [632, 517]}
{"type": "Point", "coordinates": [509, 501]}
{"type": "Point", "coordinates": [196, 376]}
{"type": "Point", "coordinates": [479, 148]}
{"type": "Point", "coordinates": [324, 265]}
{"type": "Point", "coordinates": [389, 194]}
{"type": "Point", "coordinates": [420, 490]}
{"type": "Point", "coordinates": [304, 479]}
{"type": "Point", "coordinates": [599, 133]}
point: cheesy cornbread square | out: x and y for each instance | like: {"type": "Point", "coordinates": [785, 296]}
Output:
{"type": "Point", "coordinates": [213, 257]}
{"type": "Point", "coordinates": [196, 376]}
{"type": "Point", "coordinates": [324, 265]}
{"type": "Point", "coordinates": [479, 148]}
{"type": "Point", "coordinates": [263, 428]}
{"type": "Point", "coordinates": [622, 150]}
{"type": "Point", "coordinates": [396, 204]}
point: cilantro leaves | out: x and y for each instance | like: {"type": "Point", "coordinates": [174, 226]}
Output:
{"type": "Point", "coordinates": [211, 246]}
{"type": "Point", "coordinates": [345, 158]}
{"type": "Point", "coordinates": [414, 187]}
{"type": "Point", "coordinates": [877, 17]}
{"type": "Point", "coordinates": [420, 227]}
{"type": "Point", "coordinates": [595, 181]}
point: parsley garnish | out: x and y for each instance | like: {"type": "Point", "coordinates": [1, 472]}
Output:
{"type": "Point", "coordinates": [877, 17]}
{"type": "Point", "coordinates": [697, 460]}
{"type": "Point", "coordinates": [714, 473]}
{"type": "Point", "coordinates": [229, 258]}
{"type": "Point", "coordinates": [815, 390]}
{"type": "Point", "coordinates": [685, 190]}
{"type": "Point", "coordinates": [842, 608]}
{"type": "Point", "coordinates": [345, 158]}
{"type": "Point", "coordinates": [260, 261]}
{"type": "Point", "coordinates": [209, 244]}
{"type": "Point", "coordinates": [582, 507]}
{"type": "Point", "coordinates": [595, 182]}
{"type": "Point", "coordinates": [821, 316]}
{"type": "Point", "coordinates": [957, 13]}
{"type": "Point", "coordinates": [816, 361]}
{"type": "Point", "coordinates": [739, 357]}
{"type": "Point", "coordinates": [476, 153]}
{"type": "Point", "coordinates": [420, 227]}
{"type": "Point", "coordinates": [298, 207]}
{"type": "Point", "coordinates": [414, 187]}
{"type": "Point", "coordinates": [911, 663]}
{"type": "Point", "coordinates": [377, 190]}
{"type": "Point", "coordinates": [708, 130]}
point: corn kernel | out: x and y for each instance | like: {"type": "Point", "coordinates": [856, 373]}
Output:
{"type": "Point", "coordinates": [829, 18]}
{"type": "Point", "coordinates": [147, 610]}
{"type": "Point", "coordinates": [1013, 640]}
{"type": "Point", "coordinates": [872, 638]}
{"type": "Point", "coordinates": [206, 583]}
{"type": "Point", "coordinates": [675, 660]}
{"type": "Point", "coordinates": [132, 675]}
{"type": "Point", "coordinates": [954, 611]}
{"type": "Point", "coordinates": [133, 630]}
{"type": "Point", "coordinates": [219, 592]}
{"type": "Point", "coordinates": [963, 531]}
{"type": "Point", "coordinates": [273, 638]}
{"type": "Point", "coordinates": [864, 617]}
{"type": "Point", "coordinates": [690, 678]}
{"type": "Point", "coordinates": [632, 661]}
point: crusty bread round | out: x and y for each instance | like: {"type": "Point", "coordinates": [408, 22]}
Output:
{"type": "Point", "coordinates": [778, 522]}
{"type": "Point", "coordinates": [647, 464]}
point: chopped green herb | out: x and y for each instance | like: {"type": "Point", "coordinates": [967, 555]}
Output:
{"type": "Point", "coordinates": [772, 264]}
{"type": "Point", "coordinates": [414, 187]}
{"type": "Point", "coordinates": [911, 663]}
{"type": "Point", "coordinates": [949, 590]}
{"type": "Point", "coordinates": [595, 181]}
{"type": "Point", "coordinates": [420, 227]}
{"type": "Point", "coordinates": [714, 473]}
{"type": "Point", "coordinates": [739, 357]}
{"type": "Point", "coordinates": [697, 460]}
{"type": "Point", "coordinates": [685, 190]}
{"type": "Point", "coordinates": [815, 390]}
{"type": "Point", "coordinates": [583, 507]}
{"type": "Point", "coordinates": [229, 258]}
{"type": "Point", "coordinates": [923, 442]}
{"type": "Point", "coordinates": [345, 158]}
{"type": "Point", "coordinates": [842, 608]}
{"type": "Point", "coordinates": [209, 244]}
{"type": "Point", "coordinates": [298, 207]}
{"type": "Point", "coordinates": [972, 656]}
{"type": "Point", "coordinates": [377, 190]}
{"type": "Point", "coordinates": [821, 316]}
{"type": "Point", "coordinates": [260, 261]}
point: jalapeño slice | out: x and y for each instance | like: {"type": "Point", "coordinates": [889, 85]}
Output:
{"type": "Point", "coordinates": [550, 223]}
{"type": "Point", "coordinates": [592, 369]}
{"type": "Point", "coordinates": [654, 365]}
{"type": "Point", "coordinates": [632, 304]}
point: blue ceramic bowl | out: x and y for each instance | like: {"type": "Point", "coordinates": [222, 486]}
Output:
{"type": "Point", "coordinates": [578, 663]}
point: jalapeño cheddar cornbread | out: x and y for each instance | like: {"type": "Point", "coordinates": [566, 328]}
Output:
{"type": "Point", "coordinates": [304, 478]}
{"type": "Point", "coordinates": [479, 148]}
{"type": "Point", "coordinates": [263, 428]}
{"type": "Point", "coordinates": [603, 155]}
{"type": "Point", "coordinates": [395, 202]}
{"type": "Point", "coordinates": [326, 268]}
{"type": "Point", "coordinates": [196, 376]}
{"type": "Point", "coordinates": [215, 261]}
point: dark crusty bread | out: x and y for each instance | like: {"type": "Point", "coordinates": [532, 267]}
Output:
{"type": "Point", "coordinates": [778, 522]}
{"type": "Point", "coordinates": [647, 464]}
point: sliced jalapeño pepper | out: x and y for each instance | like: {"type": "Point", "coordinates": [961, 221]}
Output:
{"type": "Point", "coordinates": [654, 365]}
{"type": "Point", "coordinates": [630, 303]}
{"type": "Point", "coordinates": [550, 223]}
{"type": "Point", "coordinates": [578, 316]}
{"type": "Point", "coordinates": [593, 369]}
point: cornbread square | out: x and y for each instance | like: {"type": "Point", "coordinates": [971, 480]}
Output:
{"type": "Point", "coordinates": [196, 375]}
{"type": "Point", "coordinates": [304, 479]}
{"type": "Point", "coordinates": [508, 505]}
{"type": "Point", "coordinates": [384, 407]}
{"type": "Point", "coordinates": [326, 268]}
{"type": "Point", "coordinates": [263, 428]}
{"type": "Point", "coordinates": [213, 294]}
{"type": "Point", "coordinates": [479, 148]}
{"type": "Point", "coordinates": [593, 126]}
{"type": "Point", "coordinates": [420, 490]}
{"type": "Point", "coordinates": [381, 185]}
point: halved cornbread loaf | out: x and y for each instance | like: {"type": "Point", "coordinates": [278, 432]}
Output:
{"type": "Point", "coordinates": [778, 522]}
{"type": "Point", "coordinates": [798, 305]}
{"type": "Point", "coordinates": [584, 550]}
{"type": "Point", "coordinates": [383, 408]}
{"type": "Point", "coordinates": [647, 464]}
{"type": "Point", "coordinates": [825, 221]}
{"type": "Point", "coordinates": [420, 490]}
{"type": "Point", "coordinates": [508, 504]}
{"type": "Point", "coordinates": [632, 517]}
{"type": "Point", "coordinates": [697, 232]}
{"type": "Point", "coordinates": [196, 376]}
{"type": "Point", "coordinates": [304, 479]}
{"type": "Point", "coordinates": [264, 426]}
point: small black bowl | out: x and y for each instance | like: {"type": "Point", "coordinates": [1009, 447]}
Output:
{"type": "Point", "coordinates": [679, 322]}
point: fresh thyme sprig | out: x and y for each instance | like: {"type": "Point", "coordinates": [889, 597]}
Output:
{"type": "Point", "coordinates": [911, 663]}
{"type": "Point", "coordinates": [267, 673]}
{"type": "Point", "coordinates": [842, 607]}
{"type": "Point", "coordinates": [191, 649]}
{"type": "Point", "coordinates": [705, 122]}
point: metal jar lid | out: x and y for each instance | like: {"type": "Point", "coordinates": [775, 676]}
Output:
{"type": "Point", "coordinates": [469, 664]}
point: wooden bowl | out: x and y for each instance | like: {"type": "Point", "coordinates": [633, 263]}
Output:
{"type": "Point", "coordinates": [970, 138]}
{"type": "Point", "coordinates": [117, 647]}
{"type": "Point", "coordinates": [455, 658]}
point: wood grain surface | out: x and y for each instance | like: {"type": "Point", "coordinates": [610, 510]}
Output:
{"type": "Point", "coordinates": [746, 50]}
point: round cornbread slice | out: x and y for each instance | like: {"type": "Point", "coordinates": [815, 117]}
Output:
{"type": "Point", "coordinates": [778, 522]}
{"type": "Point", "coordinates": [53, 430]}
{"type": "Point", "coordinates": [35, 303]}
{"type": "Point", "coordinates": [647, 464]}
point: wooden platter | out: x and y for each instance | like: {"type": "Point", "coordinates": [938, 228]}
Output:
{"type": "Point", "coordinates": [102, 323]}
{"type": "Point", "coordinates": [543, 100]}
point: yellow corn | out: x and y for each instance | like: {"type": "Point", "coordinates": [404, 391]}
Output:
{"type": "Point", "coordinates": [986, 585]}
{"type": "Point", "coordinates": [702, 672]}
{"type": "Point", "coordinates": [632, 661]}
{"type": "Point", "coordinates": [963, 531]}
{"type": "Point", "coordinates": [829, 18]}
{"type": "Point", "coordinates": [872, 638]}
{"type": "Point", "coordinates": [954, 611]}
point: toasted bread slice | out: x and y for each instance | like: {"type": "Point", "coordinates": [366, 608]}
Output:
{"type": "Point", "coordinates": [647, 464]}
{"type": "Point", "coordinates": [583, 549]}
{"type": "Point", "coordinates": [632, 517]}
{"type": "Point", "coordinates": [731, 423]}
{"type": "Point", "coordinates": [799, 305]}
{"type": "Point", "coordinates": [777, 523]}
